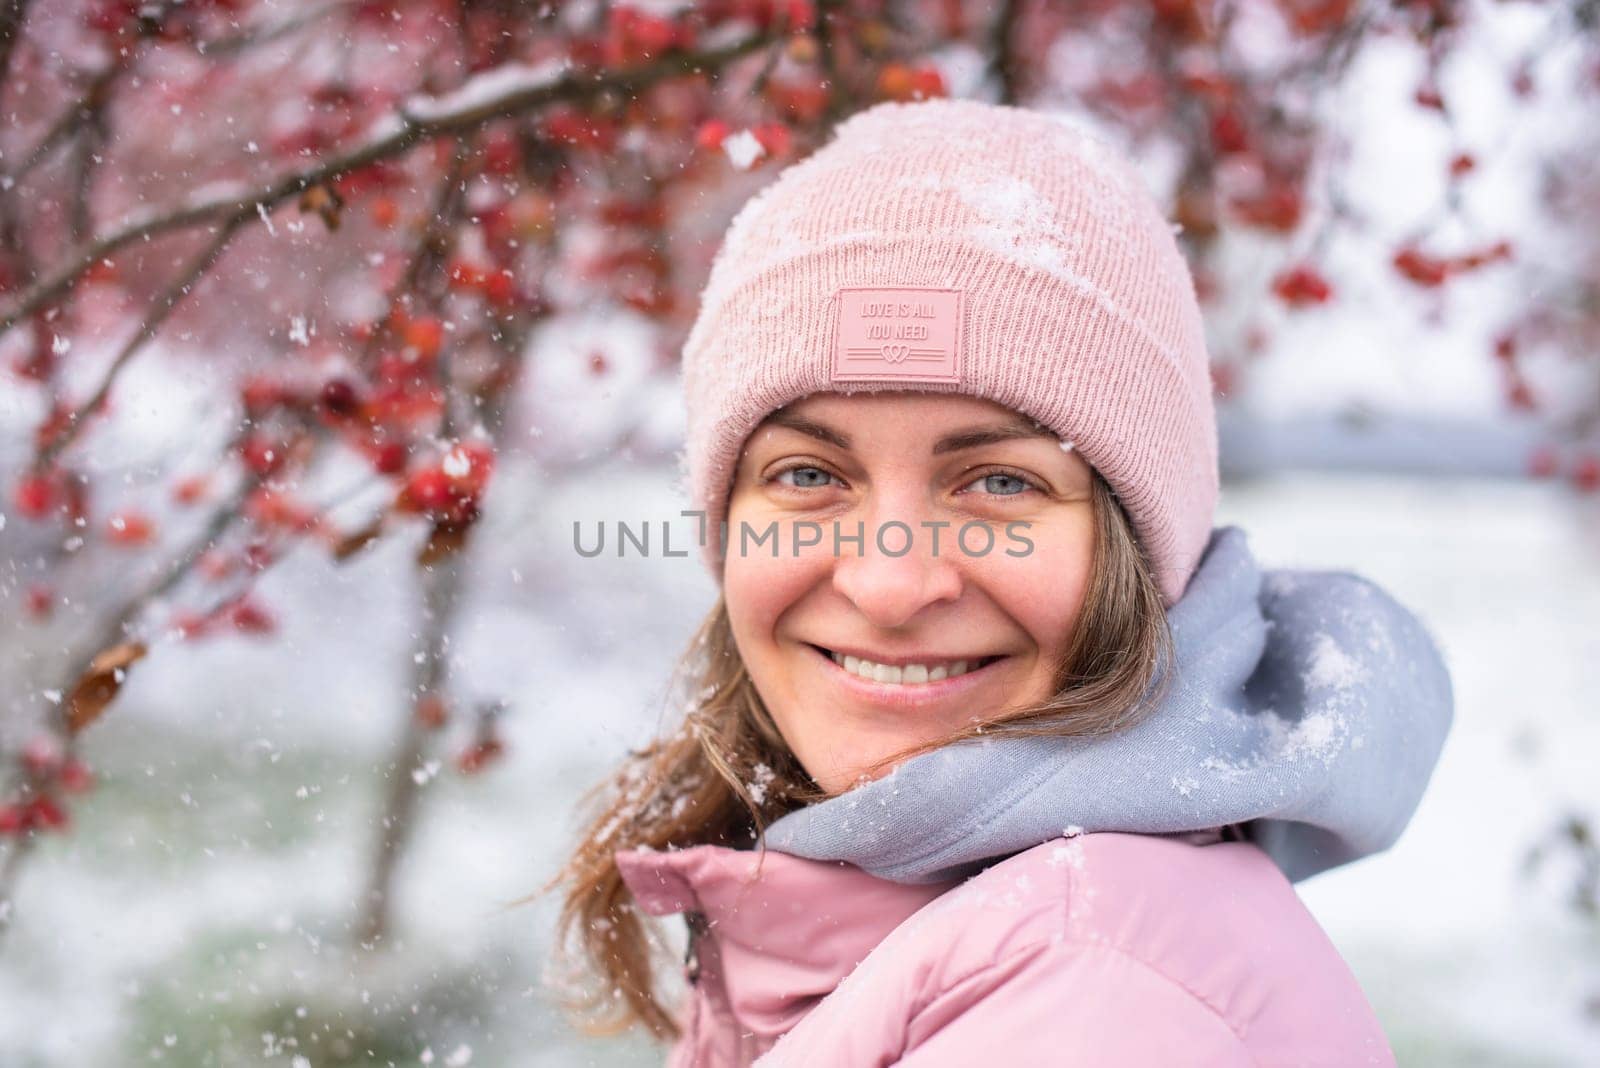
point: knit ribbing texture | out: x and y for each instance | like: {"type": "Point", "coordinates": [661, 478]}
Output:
{"type": "Point", "coordinates": [1078, 307]}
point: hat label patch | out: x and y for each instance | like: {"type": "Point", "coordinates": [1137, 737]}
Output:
{"type": "Point", "coordinates": [898, 333]}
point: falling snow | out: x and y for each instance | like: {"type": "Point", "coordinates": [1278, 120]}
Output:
{"type": "Point", "coordinates": [743, 149]}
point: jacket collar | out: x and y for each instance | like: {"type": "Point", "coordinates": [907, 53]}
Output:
{"type": "Point", "coordinates": [780, 931]}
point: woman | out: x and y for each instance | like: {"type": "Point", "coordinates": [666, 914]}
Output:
{"type": "Point", "coordinates": [994, 747]}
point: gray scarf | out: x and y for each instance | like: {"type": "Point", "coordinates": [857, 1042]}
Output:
{"type": "Point", "coordinates": [1309, 706]}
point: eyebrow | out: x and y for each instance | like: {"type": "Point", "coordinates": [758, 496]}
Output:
{"type": "Point", "coordinates": [962, 439]}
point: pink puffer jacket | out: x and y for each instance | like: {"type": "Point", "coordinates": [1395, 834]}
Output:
{"type": "Point", "coordinates": [1100, 949]}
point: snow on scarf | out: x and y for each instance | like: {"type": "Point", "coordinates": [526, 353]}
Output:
{"type": "Point", "coordinates": [1309, 705]}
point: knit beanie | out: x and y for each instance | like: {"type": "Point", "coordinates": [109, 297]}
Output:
{"type": "Point", "coordinates": [955, 246]}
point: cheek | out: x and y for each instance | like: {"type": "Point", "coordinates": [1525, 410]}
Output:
{"type": "Point", "coordinates": [1043, 591]}
{"type": "Point", "coordinates": [759, 588]}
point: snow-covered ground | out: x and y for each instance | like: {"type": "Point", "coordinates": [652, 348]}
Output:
{"type": "Point", "coordinates": [194, 915]}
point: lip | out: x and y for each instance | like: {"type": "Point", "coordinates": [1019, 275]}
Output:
{"type": "Point", "coordinates": [904, 659]}
{"type": "Point", "coordinates": [917, 696]}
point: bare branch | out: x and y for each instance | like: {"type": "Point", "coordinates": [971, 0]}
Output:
{"type": "Point", "coordinates": [73, 116]}
{"type": "Point", "coordinates": [397, 135]}
{"type": "Point", "coordinates": [233, 44]}
{"type": "Point", "coordinates": [1002, 56]}
{"type": "Point", "coordinates": [13, 14]}
{"type": "Point", "coordinates": [165, 305]}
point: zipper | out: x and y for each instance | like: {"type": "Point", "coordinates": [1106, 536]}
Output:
{"type": "Point", "coordinates": [698, 927]}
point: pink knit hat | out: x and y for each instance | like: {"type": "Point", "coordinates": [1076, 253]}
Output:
{"type": "Point", "coordinates": [954, 246]}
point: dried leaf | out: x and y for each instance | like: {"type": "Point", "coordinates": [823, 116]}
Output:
{"type": "Point", "coordinates": [347, 545]}
{"type": "Point", "coordinates": [325, 201]}
{"type": "Point", "coordinates": [100, 683]}
{"type": "Point", "coordinates": [445, 538]}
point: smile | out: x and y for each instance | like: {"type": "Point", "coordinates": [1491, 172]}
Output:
{"type": "Point", "coordinates": [906, 674]}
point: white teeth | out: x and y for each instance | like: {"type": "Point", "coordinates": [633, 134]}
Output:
{"type": "Point", "coordinates": [906, 675]}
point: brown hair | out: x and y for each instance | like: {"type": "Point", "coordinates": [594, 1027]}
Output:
{"type": "Point", "coordinates": [690, 787]}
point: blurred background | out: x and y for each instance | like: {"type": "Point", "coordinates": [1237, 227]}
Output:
{"type": "Point", "coordinates": [323, 323]}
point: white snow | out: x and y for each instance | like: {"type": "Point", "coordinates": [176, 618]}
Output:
{"type": "Point", "coordinates": [743, 149]}
{"type": "Point", "coordinates": [1334, 667]}
{"type": "Point", "coordinates": [500, 82]}
{"type": "Point", "coordinates": [1016, 222]}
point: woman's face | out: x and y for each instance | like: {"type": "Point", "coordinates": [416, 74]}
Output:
{"type": "Point", "coordinates": [949, 633]}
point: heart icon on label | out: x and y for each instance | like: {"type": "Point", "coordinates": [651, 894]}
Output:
{"type": "Point", "coordinates": [897, 334]}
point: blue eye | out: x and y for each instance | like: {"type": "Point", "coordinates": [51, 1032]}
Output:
{"type": "Point", "coordinates": [805, 477]}
{"type": "Point", "coordinates": [1002, 484]}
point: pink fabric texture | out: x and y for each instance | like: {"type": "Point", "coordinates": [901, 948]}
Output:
{"type": "Point", "coordinates": [964, 247]}
{"type": "Point", "coordinates": [1098, 949]}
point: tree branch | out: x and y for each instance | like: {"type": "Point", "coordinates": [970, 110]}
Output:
{"type": "Point", "coordinates": [166, 303]}
{"type": "Point", "coordinates": [418, 120]}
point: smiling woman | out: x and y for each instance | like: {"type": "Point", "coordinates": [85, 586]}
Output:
{"type": "Point", "coordinates": [936, 798]}
{"type": "Point", "coordinates": [863, 658]}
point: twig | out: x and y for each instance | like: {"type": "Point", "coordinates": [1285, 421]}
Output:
{"type": "Point", "coordinates": [256, 36]}
{"type": "Point", "coordinates": [400, 134]}
{"type": "Point", "coordinates": [13, 15]}
{"type": "Point", "coordinates": [165, 304]}
{"type": "Point", "coordinates": [1002, 56]}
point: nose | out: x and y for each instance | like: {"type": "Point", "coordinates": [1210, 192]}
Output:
{"type": "Point", "coordinates": [889, 589]}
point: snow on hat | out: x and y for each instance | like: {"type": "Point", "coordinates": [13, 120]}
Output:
{"type": "Point", "coordinates": [956, 246]}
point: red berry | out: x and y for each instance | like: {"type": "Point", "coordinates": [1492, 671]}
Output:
{"type": "Point", "coordinates": [339, 396]}
{"type": "Point", "coordinates": [1228, 132]}
{"type": "Point", "coordinates": [383, 210]}
{"type": "Point", "coordinates": [191, 489]}
{"type": "Point", "coordinates": [475, 757]}
{"type": "Point", "coordinates": [216, 564]}
{"type": "Point", "coordinates": [711, 134]}
{"type": "Point", "coordinates": [774, 137]}
{"type": "Point", "coordinates": [467, 465]}
{"type": "Point", "coordinates": [1586, 473]}
{"type": "Point", "coordinates": [35, 496]}
{"type": "Point", "coordinates": [428, 490]}
{"type": "Point", "coordinates": [189, 625]}
{"type": "Point", "coordinates": [41, 601]}
{"type": "Point", "coordinates": [425, 335]}
{"type": "Point", "coordinates": [1543, 462]}
{"type": "Point", "coordinates": [466, 275]}
{"type": "Point", "coordinates": [1421, 268]}
{"type": "Point", "coordinates": [1301, 285]}
{"type": "Point", "coordinates": [250, 618]}
{"type": "Point", "coordinates": [501, 289]}
{"type": "Point", "coordinates": [1519, 396]}
{"type": "Point", "coordinates": [261, 455]}
{"type": "Point", "coordinates": [13, 819]}
{"type": "Point", "coordinates": [41, 756]}
{"type": "Point", "coordinates": [44, 812]}
{"type": "Point", "coordinates": [75, 776]}
{"type": "Point", "coordinates": [432, 712]}
{"type": "Point", "coordinates": [259, 395]}
{"type": "Point", "coordinates": [926, 83]}
{"type": "Point", "coordinates": [895, 81]}
{"type": "Point", "coordinates": [258, 554]}
{"type": "Point", "coordinates": [799, 15]}
{"type": "Point", "coordinates": [1278, 206]}
{"type": "Point", "coordinates": [1222, 379]}
{"type": "Point", "coordinates": [390, 458]}
{"type": "Point", "coordinates": [129, 528]}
